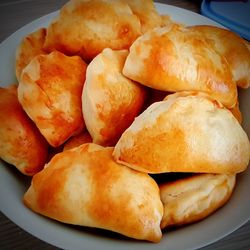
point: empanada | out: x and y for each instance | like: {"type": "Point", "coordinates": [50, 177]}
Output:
{"type": "Point", "coordinates": [190, 133]}
{"type": "Point", "coordinates": [50, 90]}
{"type": "Point", "coordinates": [30, 46]}
{"type": "Point", "coordinates": [84, 186]}
{"type": "Point", "coordinates": [175, 58]}
{"type": "Point", "coordinates": [86, 27]}
{"type": "Point", "coordinates": [110, 101]}
{"type": "Point", "coordinates": [21, 143]}
{"type": "Point", "coordinates": [194, 198]}
{"type": "Point", "coordinates": [233, 48]}
{"type": "Point", "coordinates": [235, 110]}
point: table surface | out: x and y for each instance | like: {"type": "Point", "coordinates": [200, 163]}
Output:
{"type": "Point", "coordinates": [13, 15]}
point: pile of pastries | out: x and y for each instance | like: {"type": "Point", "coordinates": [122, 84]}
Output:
{"type": "Point", "coordinates": [110, 97]}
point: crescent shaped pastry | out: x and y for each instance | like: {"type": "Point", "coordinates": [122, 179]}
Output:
{"type": "Point", "coordinates": [30, 46]}
{"type": "Point", "coordinates": [233, 48]}
{"type": "Point", "coordinates": [50, 92]}
{"type": "Point", "coordinates": [86, 27]}
{"type": "Point", "coordinates": [110, 101]}
{"type": "Point", "coordinates": [190, 133]}
{"type": "Point", "coordinates": [235, 110]}
{"type": "Point", "coordinates": [84, 186]}
{"type": "Point", "coordinates": [21, 143]}
{"type": "Point", "coordinates": [175, 58]}
{"type": "Point", "coordinates": [194, 198]}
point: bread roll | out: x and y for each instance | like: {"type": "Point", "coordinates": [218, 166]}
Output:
{"type": "Point", "coordinates": [194, 198]}
{"type": "Point", "coordinates": [21, 143]}
{"type": "Point", "coordinates": [189, 133]}
{"type": "Point", "coordinates": [233, 48]}
{"type": "Point", "coordinates": [175, 58]}
{"type": "Point", "coordinates": [50, 92]}
{"type": "Point", "coordinates": [86, 27]}
{"type": "Point", "coordinates": [110, 101]}
{"type": "Point", "coordinates": [84, 186]}
{"type": "Point", "coordinates": [30, 46]}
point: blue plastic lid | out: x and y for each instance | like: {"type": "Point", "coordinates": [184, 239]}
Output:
{"type": "Point", "coordinates": [233, 14]}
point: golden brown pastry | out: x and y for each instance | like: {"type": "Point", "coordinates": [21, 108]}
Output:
{"type": "Point", "coordinates": [77, 140]}
{"type": "Point", "coordinates": [233, 48]}
{"type": "Point", "coordinates": [235, 110]}
{"type": "Point", "coordinates": [147, 13]}
{"type": "Point", "coordinates": [21, 143]}
{"type": "Point", "coordinates": [189, 133]}
{"type": "Point", "coordinates": [110, 101]}
{"type": "Point", "coordinates": [30, 46]}
{"type": "Point", "coordinates": [86, 27]}
{"type": "Point", "coordinates": [175, 58]}
{"type": "Point", "coordinates": [50, 91]}
{"type": "Point", "coordinates": [194, 198]}
{"type": "Point", "coordinates": [84, 186]}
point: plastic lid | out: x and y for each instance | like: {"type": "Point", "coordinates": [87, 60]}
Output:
{"type": "Point", "coordinates": [234, 15]}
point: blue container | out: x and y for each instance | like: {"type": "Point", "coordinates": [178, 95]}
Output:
{"type": "Point", "coordinates": [233, 14]}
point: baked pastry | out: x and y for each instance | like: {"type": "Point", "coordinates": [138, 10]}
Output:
{"type": "Point", "coordinates": [110, 101]}
{"type": "Point", "coordinates": [21, 143]}
{"type": "Point", "coordinates": [84, 186]}
{"type": "Point", "coordinates": [86, 27]}
{"type": "Point", "coordinates": [185, 133]}
{"type": "Point", "coordinates": [235, 110]}
{"type": "Point", "coordinates": [175, 58]}
{"type": "Point", "coordinates": [50, 90]}
{"type": "Point", "coordinates": [30, 46]}
{"type": "Point", "coordinates": [146, 12]}
{"type": "Point", "coordinates": [194, 198]}
{"type": "Point", "coordinates": [233, 48]}
{"type": "Point", "coordinates": [77, 140]}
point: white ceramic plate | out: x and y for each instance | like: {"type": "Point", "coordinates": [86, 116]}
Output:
{"type": "Point", "coordinates": [13, 184]}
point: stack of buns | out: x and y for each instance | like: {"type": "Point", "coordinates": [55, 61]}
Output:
{"type": "Point", "coordinates": [110, 95]}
